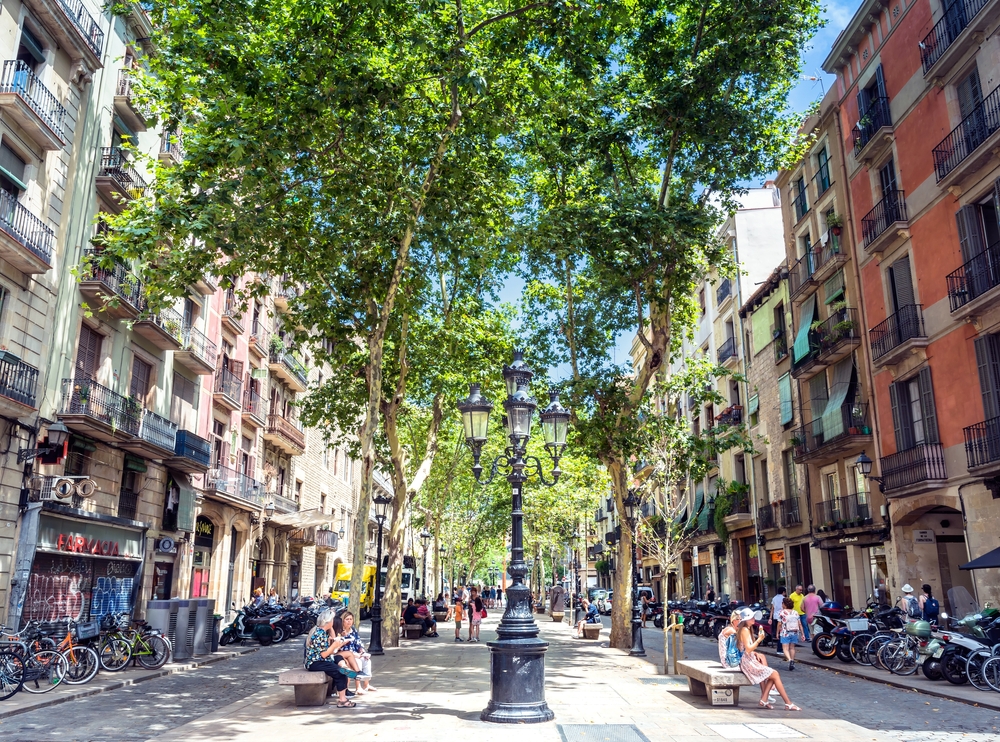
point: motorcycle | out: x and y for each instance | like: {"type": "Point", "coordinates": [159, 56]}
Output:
{"type": "Point", "coordinates": [245, 626]}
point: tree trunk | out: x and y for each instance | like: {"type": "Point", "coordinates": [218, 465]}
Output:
{"type": "Point", "coordinates": [392, 601]}
{"type": "Point", "coordinates": [621, 604]}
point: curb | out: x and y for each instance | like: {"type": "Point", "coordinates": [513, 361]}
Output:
{"type": "Point", "coordinates": [83, 692]}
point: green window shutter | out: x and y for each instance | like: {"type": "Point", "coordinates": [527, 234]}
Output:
{"type": "Point", "coordinates": [785, 395]}
{"type": "Point", "coordinates": [833, 289]}
{"type": "Point", "coordinates": [761, 323]}
{"type": "Point", "coordinates": [753, 404]}
{"type": "Point", "coordinates": [927, 406]}
{"type": "Point", "coordinates": [185, 504]}
{"type": "Point", "coordinates": [808, 311]}
{"type": "Point", "coordinates": [899, 397]}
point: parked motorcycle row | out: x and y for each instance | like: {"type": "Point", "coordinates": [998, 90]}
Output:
{"type": "Point", "coordinates": [271, 623]}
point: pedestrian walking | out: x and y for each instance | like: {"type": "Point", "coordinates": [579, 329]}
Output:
{"type": "Point", "coordinates": [645, 609]}
{"type": "Point", "coordinates": [798, 596]}
{"type": "Point", "coordinates": [929, 606]}
{"type": "Point", "coordinates": [753, 664]}
{"type": "Point", "coordinates": [909, 604]}
{"type": "Point", "coordinates": [791, 632]}
{"type": "Point", "coordinates": [476, 613]}
{"type": "Point", "coordinates": [811, 604]}
{"type": "Point", "coordinates": [777, 606]}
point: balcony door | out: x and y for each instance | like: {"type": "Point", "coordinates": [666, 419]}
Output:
{"type": "Point", "coordinates": [970, 107]}
{"type": "Point", "coordinates": [901, 286]}
{"type": "Point", "coordinates": [914, 415]}
{"type": "Point", "coordinates": [88, 354]}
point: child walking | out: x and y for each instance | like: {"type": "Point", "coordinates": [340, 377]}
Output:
{"type": "Point", "coordinates": [458, 618]}
{"type": "Point", "coordinates": [791, 630]}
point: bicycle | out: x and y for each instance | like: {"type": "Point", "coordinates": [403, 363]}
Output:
{"type": "Point", "coordinates": [11, 668]}
{"type": "Point", "coordinates": [122, 643]}
{"type": "Point", "coordinates": [83, 660]}
{"type": "Point", "coordinates": [900, 655]}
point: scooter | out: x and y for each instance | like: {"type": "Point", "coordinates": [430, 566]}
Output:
{"type": "Point", "coordinates": [245, 627]}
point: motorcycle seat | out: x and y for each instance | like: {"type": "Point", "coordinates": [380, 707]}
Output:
{"type": "Point", "coordinates": [257, 621]}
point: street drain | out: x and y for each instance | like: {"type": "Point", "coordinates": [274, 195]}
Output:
{"type": "Point", "coordinates": [601, 733]}
{"type": "Point", "coordinates": [660, 680]}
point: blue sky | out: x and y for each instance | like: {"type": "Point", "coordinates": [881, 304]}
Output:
{"type": "Point", "coordinates": [837, 16]}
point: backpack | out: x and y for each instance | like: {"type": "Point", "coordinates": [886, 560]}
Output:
{"type": "Point", "coordinates": [733, 653]}
{"type": "Point", "coordinates": [913, 607]}
{"type": "Point", "coordinates": [931, 608]}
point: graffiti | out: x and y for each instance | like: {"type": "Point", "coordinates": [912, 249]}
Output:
{"type": "Point", "coordinates": [58, 588]}
{"type": "Point", "coordinates": [111, 595]}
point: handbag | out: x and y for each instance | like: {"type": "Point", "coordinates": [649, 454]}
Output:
{"type": "Point", "coordinates": [483, 613]}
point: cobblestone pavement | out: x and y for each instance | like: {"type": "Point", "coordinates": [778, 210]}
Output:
{"type": "Point", "coordinates": [910, 716]}
{"type": "Point", "coordinates": [145, 710]}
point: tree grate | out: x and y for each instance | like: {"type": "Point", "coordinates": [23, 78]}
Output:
{"type": "Point", "coordinates": [601, 733]}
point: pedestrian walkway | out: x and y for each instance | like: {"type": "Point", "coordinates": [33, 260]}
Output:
{"type": "Point", "coordinates": [433, 688]}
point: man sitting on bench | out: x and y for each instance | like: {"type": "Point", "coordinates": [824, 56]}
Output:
{"type": "Point", "coordinates": [592, 616]}
{"type": "Point", "coordinates": [424, 616]}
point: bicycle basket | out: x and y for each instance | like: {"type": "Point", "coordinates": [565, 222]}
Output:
{"type": "Point", "coordinates": [108, 622]}
{"type": "Point", "coordinates": [88, 630]}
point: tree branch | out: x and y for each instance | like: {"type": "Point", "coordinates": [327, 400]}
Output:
{"type": "Point", "coordinates": [503, 16]}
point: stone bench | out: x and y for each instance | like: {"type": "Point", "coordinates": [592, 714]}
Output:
{"type": "Point", "coordinates": [311, 688]}
{"type": "Point", "coordinates": [413, 630]}
{"type": "Point", "coordinates": [592, 630]}
{"type": "Point", "coordinates": [557, 616]}
{"type": "Point", "coordinates": [440, 616]}
{"type": "Point", "coordinates": [723, 682]}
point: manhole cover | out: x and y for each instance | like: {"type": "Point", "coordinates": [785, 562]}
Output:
{"type": "Point", "coordinates": [679, 682]}
{"type": "Point", "coordinates": [601, 733]}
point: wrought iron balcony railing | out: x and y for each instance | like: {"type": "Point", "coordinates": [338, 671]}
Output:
{"type": "Point", "coordinates": [158, 430]}
{"type": "Point", "coordinates": [906, 324]}
{"type": "Point", "coordinates": [922, 463]}
{"type": "Point", "coordinates": [975, 278]}
{"type": "Point", "coordinates": [876, 117]}
{"type": "Point", "coordinates": [196, 342]}
{"type": "Point", "coordinates": [116, 165]}
{"type": "Point", "coordinates": [732, 415]}
{"type": "Point", "coordinates": [225, 480]}
{"type": "Point", "coordinates": [834, 332]}
{"type": "Point", "coordinates": [802, 271]}
{"type": "Point", "coordinates": [18, 381]}
{"type": "Point", "coordinates": [290, 430]}
{"type": "Point", "coordinates": [89, 399]}
{"type": "Point", "coordinates": [723, 292]}
{"type": "Point", "coordinates": [122, 282]}
{"type": "Point", "coordinates": [765, 517]}
{"type": "Point", "coordinates": [193, 447]}
{"type": "Point", "coordinates": [956, 18]}
{"type": "Point", "coordinates": [85, 24]}
{"type": "Point", "coordinates": [851, 421]}
{"type": "Point", "coordinates": [255, 404]}
{"type": "Point", "coordinates": [787, 512]}
{"type": "Point", "coordinates": [229, 385]}
{"type": "Point", "coordinates": [19, 78]}
{"type": "Point", "coordinates": [965, 138]}
{"type": "Point", "coordinates": [982, 443]}
{"type": "Point", "coordinates": [844, 512]}
{"type": "Point", "coordinates": [26, 228]}
{"type": "Point", "coordinates": [727, 350]}
{"type": "Point", "coordinates": [888, 211]}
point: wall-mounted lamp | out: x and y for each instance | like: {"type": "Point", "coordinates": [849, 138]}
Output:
{"type": "Point", "coordinates": [865, 465]}
{"type": "Point", "coordinates": [58, 434]}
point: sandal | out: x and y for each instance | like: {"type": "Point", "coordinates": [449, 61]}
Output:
{"type": "Point", "coordinates": [791, 707]}
{"type": "Point", "coordinates": [348, 672]}
{"type": "Point", "coordinates": [764, 705]}
{"type": "Point", "coordinates": [346, 705]}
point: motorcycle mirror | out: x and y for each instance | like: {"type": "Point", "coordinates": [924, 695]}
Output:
{"type": "Point", "coordinates": [978, 616]}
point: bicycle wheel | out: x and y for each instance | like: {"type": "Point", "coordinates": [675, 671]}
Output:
{"type": "Point", "coordinates": [83, 664]}
{"type": "Point", "coordinates": [11, 672]}
{"type": "Point", "coordinates": [155, 652]}
{"type": "Point", "coordinates": [857, 648]}
{"type": "Point", "coordinates": [974, 668]}
{"type": "Point", "coordinates": [903, 659]}
{"type": "Point", "coordinates": [872, 651]}
{"type": "Point", "coordinates": [114, 654]}
{"type": "Point", "coordinates": [44, 670]}
{"type": "Point", "coordinates": [991, 673]}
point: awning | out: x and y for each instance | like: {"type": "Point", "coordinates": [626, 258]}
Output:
{"type": "Point", "coordinates": [833, 417]}
{"type": "Point", "coordinates": [181, 494]}
{"type": "Point", "coordinates": [801, 348]}
{"type": "Point", "coordinates": [681, 516]}
{"type": "Point", "coordinates": [989, 560]}
{"type": "Point", "coordinates": [301, 519]}
{"type": "Point", "coordinates": [699, 501]}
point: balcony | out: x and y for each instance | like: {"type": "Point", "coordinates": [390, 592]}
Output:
{"type": "Point", "coordinates": [128, 504]}
{"type": "Point", "coordinates": [254, 409]}
{"type": "Point", "coordinates": [830, 342]}
{"type": "Point", "coordinates": [739, 513]}
{"type": "Point", "coordinates": [283, 503]}
{"type": "Point", "coordinates": [171, 149]}
{"type": "Point", "coordinates": [109, 287]}
{"type": "Point", "coordinates": [970, 145]}
{"type": "Point", "coordinates": [732, 415]}
{"type": "Point", "coordinates": [91, 409]}
{"type": "Point", "coordinates": [127, 107]}
{"type": "Point", "coordinates": [827, 437]}
{"type": "Point", "coordinates": [197, 353]}
{"type": "Point", "coordinates": [982, 446]}
{"type": "Point", "coordinates": [723, 292]}
{"type": "Point", "coordinates": [205, 285]}
{"type": "Point", "coordinates": [885, 223]}
{"type": "Point", "coordinates": [970, 288]}
{"type": "Point", "coordinates": [303, 536]}
{"type": "Point", "coordinates": [235, 488]}
{"type": "Point", "coordinates": [18, 386]}
{"type": "Point", "coordinates": [157, 437]}
{"type": "Point", "coordinates": [727, 352]}
{"type": "Point", "coordinates": [232, 314]}
{"type": "Point", "coordinates": [872, 135]}
{"type": "Point", "coordinates": [287, 367]}
{"type": "Point", "coordinates": [28, 102]}
{"type": "Point", "coordinates": [765, 518]}
{"type": "Point", "coordinates": [852, 511]}
{"type": "Point", "coordinates": [25, 242]}
{"type": "Point", "coordinates": [822, 180]}
{"type": "Point", "coordinates": [260, 339]}
{"type": "Point", "coordinates": [918, 468]}
{"type": "Point", "coordinates": [800, 276]}
{"type": "Point", "coordinates": [283, 291]}
{"type": "Point", "coordinates": [191, 453]}
{"type": "Point", "coordinates": [943, 48]}
{"type": "Point", "coordinates": [118, 181]}
{"type": "Point", "coordinates": [327, 540]}
{"type": "Point", "coordinates": [898, 335]}
{"type": "Point", "coordinates": [164, 330]}
{"type": "Point", "coordinates": [786, 512]}
{"type": "Point", "coordinates": [73, 28]}
{"type": "Point", "coordinates": [228, 389]}
{"type": "Point", "coordinates": [285, 435]}
{"type": "Point", "coordinates": [827, 259]}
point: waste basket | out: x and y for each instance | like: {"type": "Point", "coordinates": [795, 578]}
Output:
{"type": "Point", "coordinates": [204, 608]}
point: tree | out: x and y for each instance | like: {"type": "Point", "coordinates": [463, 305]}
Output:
{"type": "Point", "coordinates": [627, 181]}
{"type": "Point", "coordinates": [338, 149]}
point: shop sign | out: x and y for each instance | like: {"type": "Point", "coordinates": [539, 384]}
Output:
{"type": "Point", "coordinates": [87, 539]}
{"type": "Point", "coordinates": [703, 559]}
{"type": "Point", "coordinates": [204, 532]}
{"type": "Point", "coordinates": [848, 540]}
{"type": "Point", "coordinates": [777, 557]}
{"type": "Point", "coordinates": [923, 537]}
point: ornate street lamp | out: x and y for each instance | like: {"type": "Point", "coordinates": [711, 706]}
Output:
{"type": "Point", "coordinates": [424, 538]}
{"type": "Point", "coordinates": [381, 503]}
{"type": "Point", "coordinates": [632, 509]}
{"type": "Point", "coordinates": [517, 664]}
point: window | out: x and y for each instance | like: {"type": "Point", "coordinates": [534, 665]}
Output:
{"type": "Point", "coordinates": [765, 484]}
{"type": "Point", "coordinates": [901, 284]}
{"type": "Point", "coordinates": [220, 449]}
{"type": "Point", "coordinates": [12, 168]}
{"type": "Point", "coordinates": [807, 314]}
{"type": "Point", "coordinates": [978, 230]}
{"type": "Point", "coordinates": [298, 491]}
{"type": "Point", "coordinates": [823, 171]}
{"type": "Point", "coordinates": [185, 389]}
{"type": "Point", "coordinates": [831, 490]}
{"type": "Point", "coordinates": [142, 372]}
{"type": "Point", "coordinates": [988, 361]}
{"type": "Point", "coordinates": [788, 467]}
{"type": "Point", "coordinates": [30, 52]}
{"type": "Point", "coordinates": [873, 104]}
{"type": "Point", "coordinates": [914, 416]}
{"type": "Point", "coordinates": [970, 94]}
{"type": "Point", "coordinates": [701, 300]}
{"type": "Point", "coordinates": [799, 198]}
{"type": "Point", "coordinates": [833, 288]}
{"type": "Point", "coordinates": [753, 409]}
{"type": "Point", "coordinates": [326, 458]}
{"type": "Point", "coordinates": [322, 502]}
{"type": "Point", "coordinates": [785, 398]}
{"type": "Point", "coordinates": [887, 179]}
{"type": "Point", "coordinates": [88, 354]}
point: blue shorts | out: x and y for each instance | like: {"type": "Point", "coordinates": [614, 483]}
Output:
{"type": "Point", "coordinates": [794, 639]}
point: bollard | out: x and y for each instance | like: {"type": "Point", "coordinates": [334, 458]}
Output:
{"type": "Point", "coordinates": [676, 629]}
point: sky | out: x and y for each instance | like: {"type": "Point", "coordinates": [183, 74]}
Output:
{"type": "Point", "coordinates": [837, 16]}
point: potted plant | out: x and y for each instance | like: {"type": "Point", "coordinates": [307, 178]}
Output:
{"type": "Point", "coordinates": [835, 222]}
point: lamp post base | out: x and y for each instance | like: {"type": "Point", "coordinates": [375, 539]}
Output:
{"type": "Point", "coordinates": [517, 682]}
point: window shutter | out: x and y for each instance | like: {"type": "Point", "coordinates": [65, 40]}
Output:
{"type": "Point", "coordinates": [236, 368]}
{"type": "Point", "coordinates": [224, 461]}
{"type": "Point", "coordinates": [970, 232]}
{"type": "Point", "coordinates": [927, 406]}
{"type": "Point", "coordinates": [902, 283]}
{"type": "Point", "coordinates": [898, 400]}
{"type": "Point", "coordinates": [785, 395]}
{"type": "Point", "coordinates": [970, 93]}
{"type": "Point", "coordinates": [880, 83]}
{"type": "Point", "coordinates": [833, 289]}
{"type": "Point", "coordinates": [862, 104]}
{"type": "Point", "coordinates": [986, 381]}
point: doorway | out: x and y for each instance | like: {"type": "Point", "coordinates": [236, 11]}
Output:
{"type": "Point", "coordinates": [951, 553]}
{"type": "Point", "coordinates": [841, 576]}
{"type": "Point", "coordinates": [233, 535]}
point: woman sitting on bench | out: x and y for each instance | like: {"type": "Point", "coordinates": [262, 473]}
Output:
{"type": "Point", "coordinates": [753, 664]}
{"type": "Point", "coordinates": [322, 656]}
{"type": "Point", "coordinates": [592, 616]}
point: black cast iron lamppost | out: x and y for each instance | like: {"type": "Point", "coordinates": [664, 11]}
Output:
{"type": "Point", "coordinates": [424, 538]}
{"type": "Point", "coordinates": [442, 551]}
{"type": "Point", "coordinates": [632, 509]}
{"type": "Point", "coordinates": [517, 658]}
{"type": "Point", "coordinates": [381, 503]}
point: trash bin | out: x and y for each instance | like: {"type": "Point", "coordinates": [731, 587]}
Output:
{"type": "Point", "coordinates": [216, 624]}
{"type": "Point", "coordinates": [158, 615]}
{"type": "Point", "coordinates": [183, 637]}
{"type": "Point", "coordinates": [204, 608]}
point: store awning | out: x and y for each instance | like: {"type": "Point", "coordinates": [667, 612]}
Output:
{"type": "Point", "coordinates": [989, 560]}
{"type": "Point", "coordinates": [301, 519]}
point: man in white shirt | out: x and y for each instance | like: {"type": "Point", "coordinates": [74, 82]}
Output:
{"type": "Point", "coordinates": [776, 608]}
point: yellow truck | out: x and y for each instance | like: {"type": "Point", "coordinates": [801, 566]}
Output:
{"type": "Point", "coordinates": [342, 588]}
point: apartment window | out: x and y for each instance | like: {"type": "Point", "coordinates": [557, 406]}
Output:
{"type": "Point", "coordinates": [88, 354]}
{"type": "Point", "coordinates": [12, 168]}
{"type": "Point", "coordinates": [326, 458]}
{"type": "Point", "coordinates": [765, 483]}
{"type": "Point", "coordinates": [753, 409]}
{"type": "Point", "coordinates": [887, 178]}
{"type": "Point", "coordinates": [822, 171]}
{"type": "Point", "coordinates": [190, 312]}
{"type": "Point", "coordinates": [914, 415]}
{"type": "Point", "coordinates": [785, 398]}
{"type": "Point", "coordinates": [142, 372]}
{"type": "Point", "coordinates": [336, 460]}
{"type": "Point", "coordinates": [988, 360]}
{"type": "Point", "coordinates": [298, 491]}
{"type": "Point", "coordinates": [873, 104]}
{"type": "Point", "coordinates": [901, 284]}
{"type": "Point", "coordinates": [701, 300]}
{"type": "Point", "coordinates": [799, 198]}
{"type": "Point", "coordinates": [831, 490]}
{"type": "Point", "coordinates": [185, 389]}
{"type": "Point", "coordinates": [788, 468]}
{"type": "Point", "coordinates": [322, 502]}
{"type": "Point", "coordinates": [220, 449]}
{"type": "Point", "coordinates": [970, 94]}
{"type": "Point", "coordinates": [30, 51]}
{"type": "Point", "coordinates": [978, 229]}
